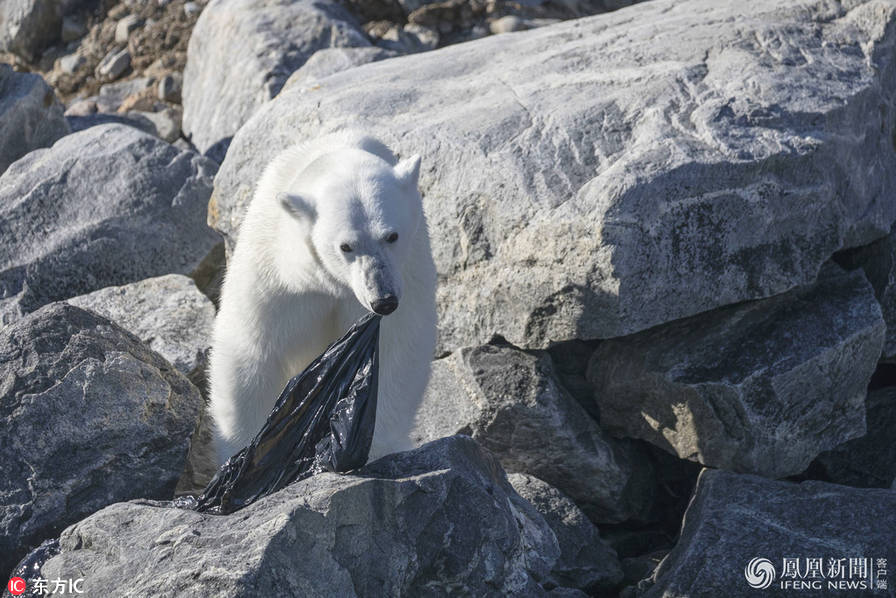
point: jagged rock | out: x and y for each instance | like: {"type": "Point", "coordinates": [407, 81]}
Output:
{"type": "Point", "coordinates": [601, 176]}
{"type": "Point", "coordinates": [29, 26]}
{"type": "Point", "coordinates": [168, 313]}
{"type": "Point", "coordinates": [105, 206]}
{"type": "Point", "coordinates": [30, 115]}
{"type": "Point", "coordinates": [869, 461]}
{"type": "Point", "coordinates": [89, 416]}
{"type": "Point", "coordinates": [438, 520]}
{"type": "Point", "coordinates": [225, 82]}
{"type": "Point", "coordinates": [734, 519]}
{"type": "Point", "coordinates": [762, 387]}
{"type": "Point", "coordinates": [878, 261]}
{"type": "Point", "coordinates": [511, 402]}
{"type": "Point", "coordinates": [586, 562]}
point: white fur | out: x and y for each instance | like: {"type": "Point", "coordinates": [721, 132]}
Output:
{"type": "Point", "coordinates": [290, 290]}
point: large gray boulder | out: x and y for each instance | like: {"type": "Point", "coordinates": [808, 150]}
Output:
{"type": "Point", "coordinates": [106, 206]}
{"type": "Point", "coordinates": [30, 115]}
{"type": "Point", "coordinates": [29, 26]}
{"type": "Point", "coordinates": [89, 416]}
{"type": "Point", "coordinates": [762, 387]}
{"type": "Point", "coordinates": [734, 522]}
{"type": "Point", "coordinates": [597, 177]}
{"type": "Point", "coordinates": [168, 313]}
{"type": "Point", "coordinates": [328, 61]}
{"type": "Point", "coordinates": [438, 520]}
{"type": "Point", "coordinates": [586, 562]}
{"type": "Point", "coordinates": [241, 52]}
{"type": "Point", "coordinates": [511, 402]}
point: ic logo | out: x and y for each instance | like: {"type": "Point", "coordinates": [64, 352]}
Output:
{"type": "Point", "coordinates": [760, 573]}
{"type": "Point", "coordinates": [16, 586]}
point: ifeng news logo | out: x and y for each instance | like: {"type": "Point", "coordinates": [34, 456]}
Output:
{"type": "Point", "coordinates": [818, 573]}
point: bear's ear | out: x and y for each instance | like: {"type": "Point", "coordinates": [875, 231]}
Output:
{"type": "Point", "coordinates": [408, 171]}
{"type": "Point", "coordinates": [296, 205]}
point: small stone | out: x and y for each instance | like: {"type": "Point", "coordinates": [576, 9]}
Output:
{"type": "Point", "coordinates": [191, 8]}
{"type": "Point", "coordinates": [169, 88]}
{"type": "Point", "coordinates": [166, 123]}
{"type": "Point", "coordinates": [125, 26]}
{"type": "Point", "coordinates": [84, 107]}
{"type": "Point", "coordinates": [72, 29]}
{"type": "Point", "coordinates": [71, 63]}
{"type": "Point", "coordinates": [507, 24]}
{"type": "Point", "coordinates": [114, 64]}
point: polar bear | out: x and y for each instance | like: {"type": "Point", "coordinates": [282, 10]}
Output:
{"type": "Point", "coordinates": [335, 228]}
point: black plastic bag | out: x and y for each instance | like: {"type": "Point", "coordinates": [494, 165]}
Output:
{"type": "Point", "coordinates": [323, 421]}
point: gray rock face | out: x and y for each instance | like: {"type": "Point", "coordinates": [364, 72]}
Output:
{"type": "Point", "coordinates": [878, 261]}
{"type": "Point", "coordinates": [441, 519]}
{"type": "Point", "coordinates": [167, 313]}
{"type": "Point", "coordinates": [762, 387]}
{"type": "Point", "coordinates": [29, 26]}
{"type": "Point", "coordinates": [869, 461]}
{"type": "Point", "coordinates": [735, 518]}
{"type": "Point", "coordinates": [30, 115]}
{"type": "Point", "coordinates": [225, 82]}
{"type": "Point", "coordinates": [512, 404]}
{"type": "Point", "coordinates": [328, 61]}
{"type": "Point", "coordinates": [88, 417]}
{"type": "Point", "coordinates": [106, 206]}
{"type": "Point", "coordinates": [600, 176]}
{"type": "Point", "coordinates": [586, 562]}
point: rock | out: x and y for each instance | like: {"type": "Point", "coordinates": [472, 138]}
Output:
{"type": "Point", "coordinates": [328, 61]}
{"type": "Point", "coordinates": [507, 24]}
{"type": "Point", "coordinates": [70, 63]}
{"type": "Point", "coordinates": [168, 313]}
{"type": "Point", "coordinates": [73, 28]}
{"type": "Point", "coordinates": [191, 8]}
{"type": "Point", "coordinates": [130, 119]}
{"type": "Point", "coordinates": [115, 63]}
{"type": "Point", "coordinates": [869, 461]}
{"type": "Point", "coordinates": [124, 27]}
{"type": "Point", "coordinates": [30, 115]}
{"type": "Point", "coordinates": [761, 387]}
{"type": "Point", "coordinates": [655, 163]}
{"type": "Point", "coordinates": [105, 206]}
{"type": "Point", "coordinates": [113, 95]}
{"type": "Point", "coordinates": [27, 27]}
{"type": "Point", "coordinates": [170, 87]}
{"type": "Point", "coordinates": [82, 107]}
{"type": "Point", "coordinates": [89, 417]}
{"type": "Point", "coordinates": [878, 260]}
{"type": "Point", "coordinates": [166, 123]}
{"type": "Point", "coordinates": [512, 404]}
{"type": "Point", "coordinates": [736, 520]}
{"type": "Point", "coordinates": [441, 519]}
{"type": "Point", "coordinates": [586, 562]}
{"type": "Point", "coordinates": [225, 82]}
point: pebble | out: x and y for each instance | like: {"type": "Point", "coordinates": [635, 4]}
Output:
{"type": "Point", "coordinates": [114, 64]}
{"type": "Point", "coordinates": [507, 24]}
{"type": "Point", "coordinates": [124, 27]}
{"type": "Point", "coordinates": [70, 63]}
{"type": "Point", "coordinates": [191, 8]}
{"type": "Point", "coordinates": [169, 88]}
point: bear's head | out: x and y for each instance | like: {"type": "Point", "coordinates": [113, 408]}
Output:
{"type": "Point", "coordinates": [359, 215]}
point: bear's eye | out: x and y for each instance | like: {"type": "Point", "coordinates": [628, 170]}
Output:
{"type": "Point", "coordinates": [345, 247]}
{"type": "Point", "coordinates": [392, 238]}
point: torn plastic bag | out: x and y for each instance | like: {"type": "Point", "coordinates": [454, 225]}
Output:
{"type": "Point", "coordinates": [323, 421]}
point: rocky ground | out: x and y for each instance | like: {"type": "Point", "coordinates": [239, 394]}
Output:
{"type": "Point", "coordinates": [667, 292]}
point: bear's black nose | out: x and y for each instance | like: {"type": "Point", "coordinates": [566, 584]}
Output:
{"type": "Point", "coordinates": [386, 305]}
